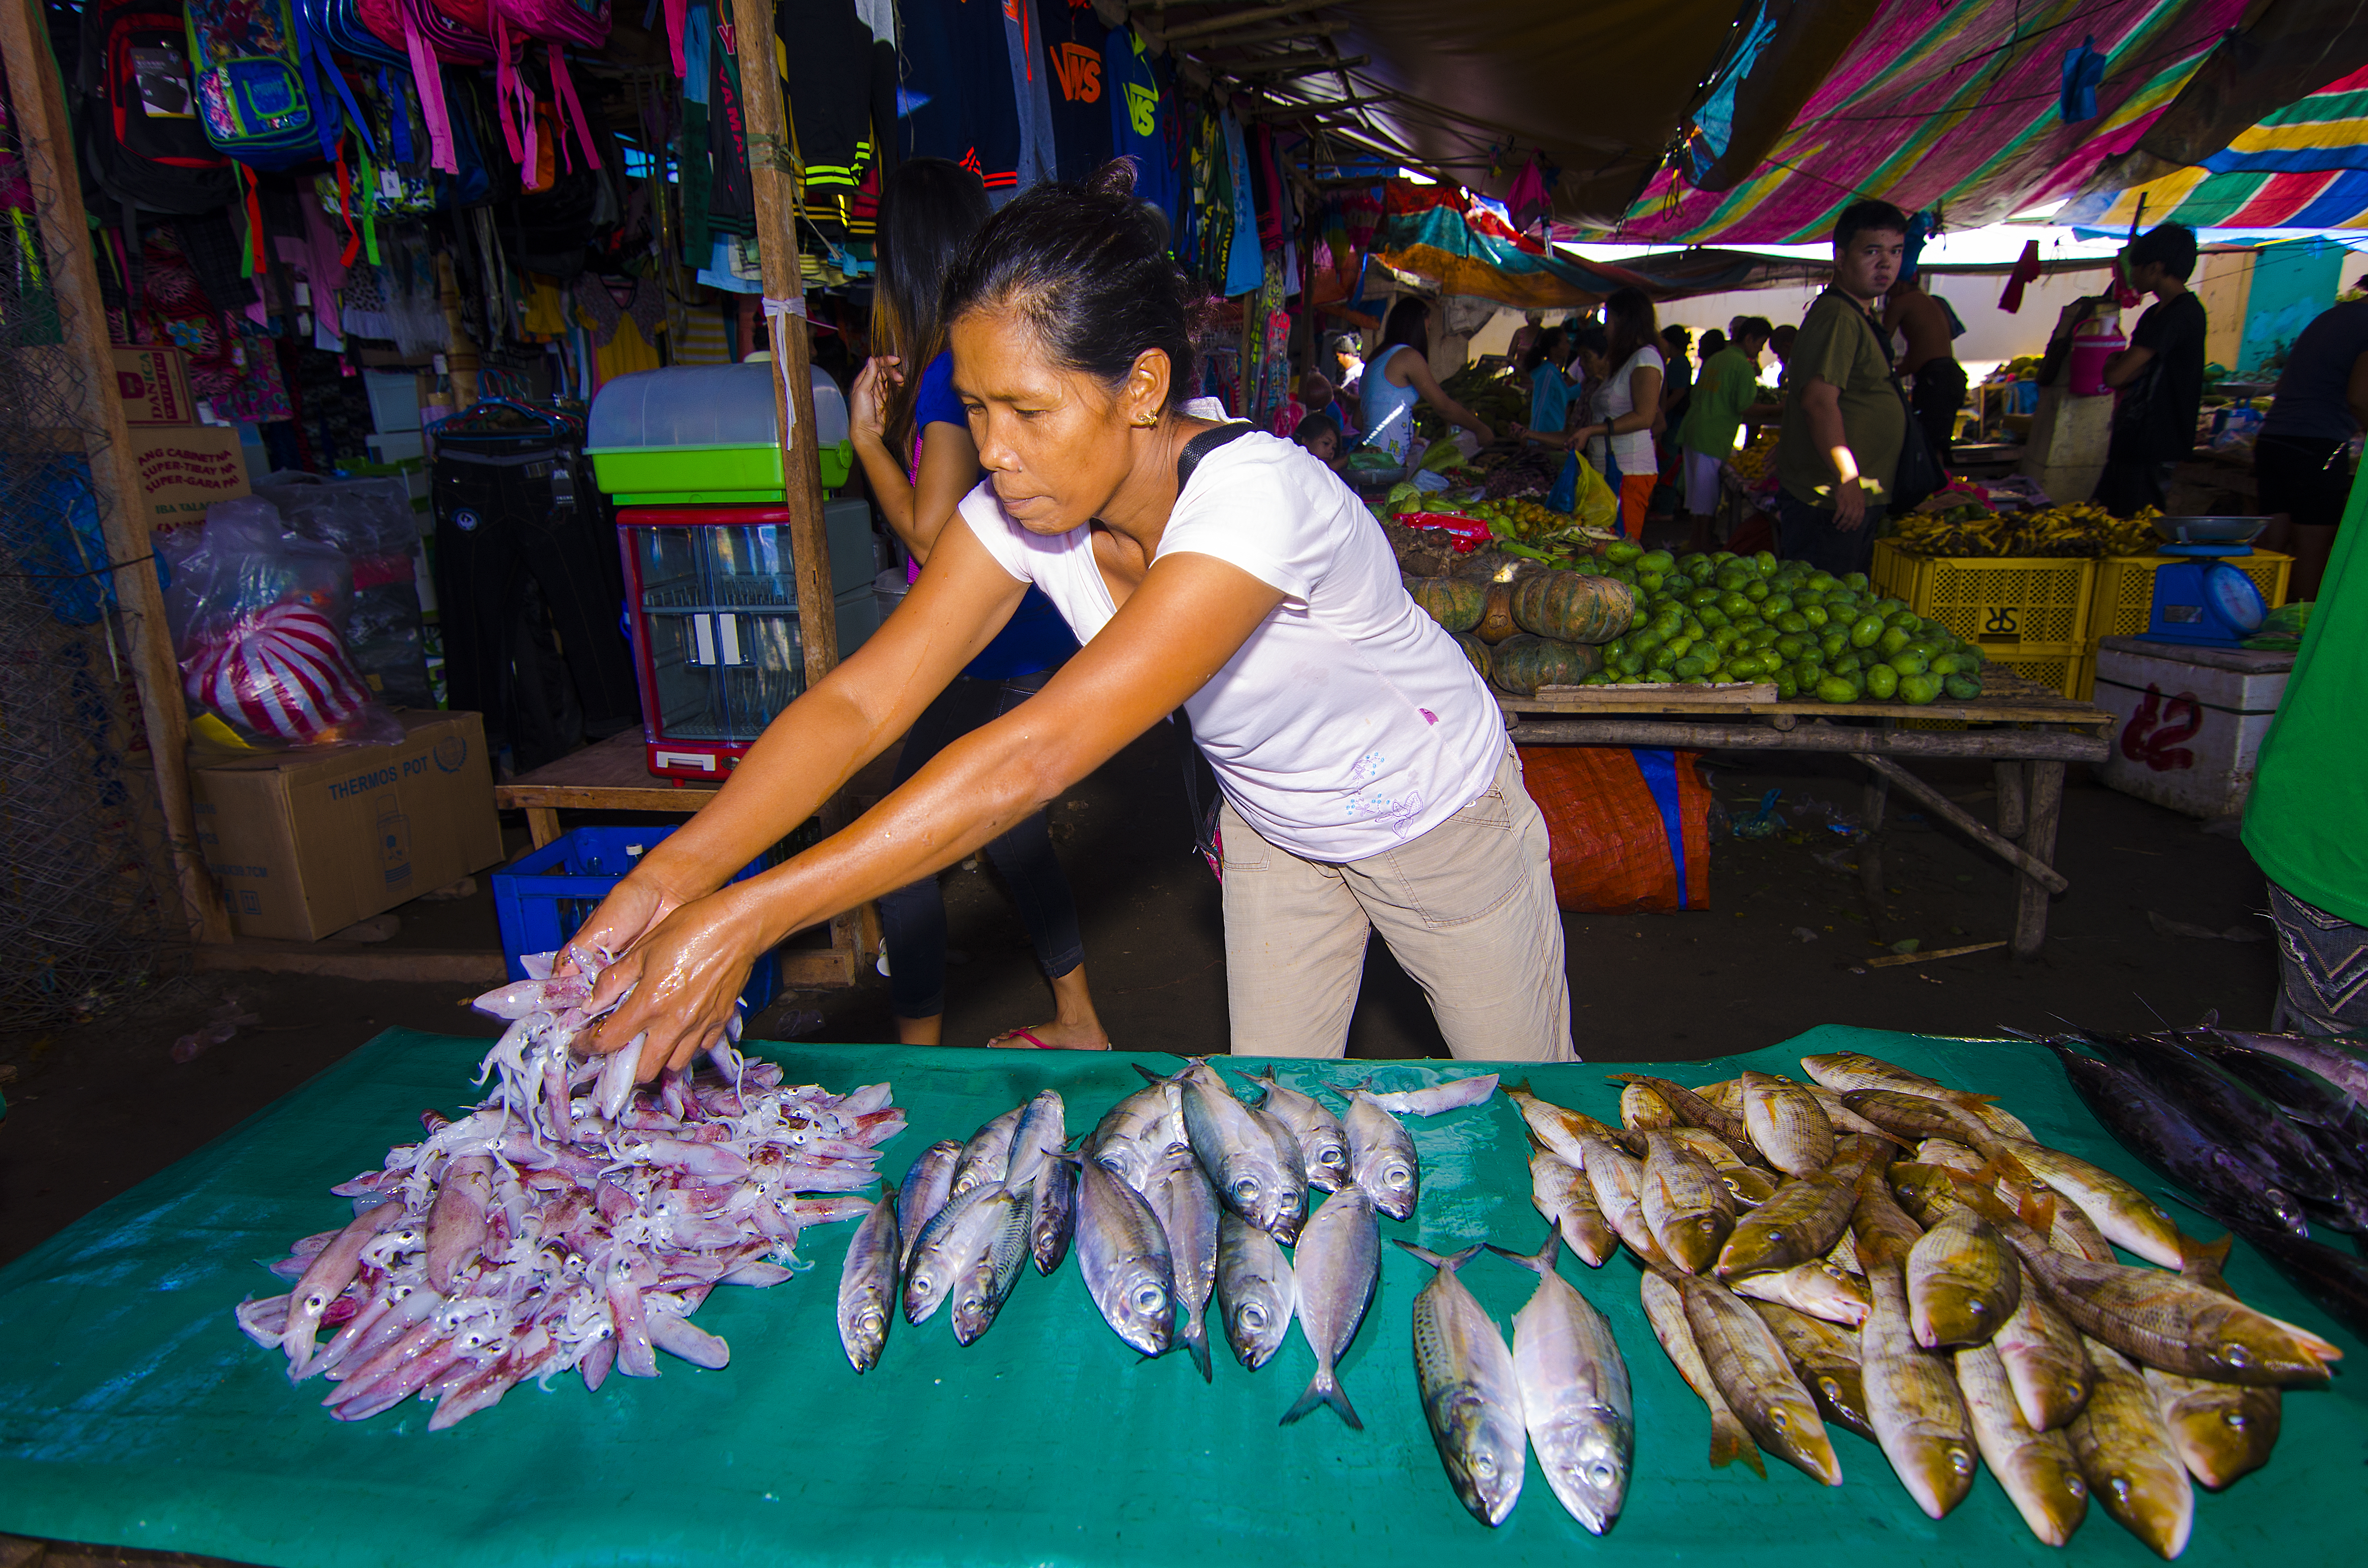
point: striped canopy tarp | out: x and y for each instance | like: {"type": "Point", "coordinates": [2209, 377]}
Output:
{"type": "Point", "coordinates": [1954, 108]}
{"type": "Point", "coordinates": [2303, 167]}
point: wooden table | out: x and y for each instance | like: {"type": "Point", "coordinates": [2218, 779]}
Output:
{"type": "Point", "coordinates": [614, 776]}
{"type": "Point", "coordinates": [2027, 731]}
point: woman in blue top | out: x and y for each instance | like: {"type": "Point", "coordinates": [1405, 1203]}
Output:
{"type": "Point", "coordinates": [1399, 376]}
{"type": "Point", "coordinates": [914, 441]}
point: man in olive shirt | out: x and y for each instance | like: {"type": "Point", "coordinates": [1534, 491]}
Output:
{"type": "Point", "coordinates": [1843, 417]}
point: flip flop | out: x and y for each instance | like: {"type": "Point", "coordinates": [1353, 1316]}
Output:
{"type": "Point", "coordinates": [1008, 1043]}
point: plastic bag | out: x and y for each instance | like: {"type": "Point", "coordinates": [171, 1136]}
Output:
{"type": "Point", "coordinates": [1626, 829]}
{"type": "Point", "coordinates": [370, 521]}
{"type": "Point", "coordinates": [1596, 505]}
{"type": "Point", "coordinates": [259, 620]}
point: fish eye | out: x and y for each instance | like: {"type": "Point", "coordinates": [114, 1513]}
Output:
{"type": "Point", "coordinates": [1400, 1176]}
{"type": "Point", "coordinates": [1246, 1189]}
{"type": "Point", "coordinates": [1484, 1466]}
{"type": "Point", "coordinates": [2121, 1489]}
{"type": "Point", "coordinates": [1961, 1462]}
{"type": "Point", "coordinates": [2076, 1485]}
{"type": "Point", "coordinates": [1254, 1317]}
{"type": "Point", "coordinates": [2235, 1355]}
{"type": "Point", "coordinates": [1978, 1307]}
{"type": "Point", "coordinates": [1150, 1298]}
{"type": "Point", "coordinates": [2234, 1418]}
{"type": "Point", "coordinates": [1600, 1473]}
{"type": "Point", "coordinates": [1779, 1420]}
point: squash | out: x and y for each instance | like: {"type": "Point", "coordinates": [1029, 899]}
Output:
{"type": "Point", "coordinates": [1454, 602]}
{"type": "Point", "coordinates": [1497, 617]}
{"type": "Point", "coordinates": [1574, 607]}
{"type": "Point", "coordinates": [1521, 665]}
{"type": "Point", "coordinates": [1474, 650]}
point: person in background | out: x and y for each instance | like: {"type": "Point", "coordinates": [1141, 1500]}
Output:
{"type": "Point", "coordinates": [1626, 406]}
{"type": "Point", "coordinates": [1547, 369]}
{"type": "Point", "coordinates": [2306, 820]}
{"type": "Point", "coordinates": [1780, 344]}
{"type": "Point", "coordinates": [1714, 342]}
{"type": "Point", "coordinates": [1399, 377]}
{"type": "Point", "coordinates": [914, 442]}
{"type": "Point", "coordinates": [1351, 363]}
{"type": "Point", "coordinates": [2159, 376]}
{"type": "Point", "coordinates": [1728, 392]}
{"type": "Point", "coordinates": [1843, 421]}
{"type": "Point", "coordinates": [1678, 384]}
{"type": "Point", "coordinates": [1321, 437]}
{"type": "Point", "coordinates": [1314, 396]}
{"type": "Point", "coordinates": [1929, 360]}
{"type": "Point", "coordinates": [2302, 460]}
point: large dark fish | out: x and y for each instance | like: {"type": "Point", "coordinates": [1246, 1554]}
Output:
{"type": "Point", "coordinates": [2335, 1282]}
{"type": "Point", "coordinates": [2238, 1117]}
{"type": "Point", "coordinates": [2161, 1134]}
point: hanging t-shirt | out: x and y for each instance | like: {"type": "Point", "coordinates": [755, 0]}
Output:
{"type": "Point", "coordinates": [1139, 117]}
{"type": "Point", "coordinates": [1245, 261]}
{"type": "Point", "coordinates": [1349, 724]}
{"type": "Point", "coordinates": [957, 101]}
{"type": "Point", "coordinates": [1035, 638]}
{"type": "Point", "coordinates": [1073, 38]}
{"type": "Point", "coordinates": [1031, 83]}
{"type": "Point", "coordinates": [826, 49]}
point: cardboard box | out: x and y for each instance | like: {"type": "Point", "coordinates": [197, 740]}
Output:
{"type": "Point", "coordinates": [154, 383]}
{"type": "Point", "coordinates": [184, 469]}
{"type": "Point", "coordinates": [305, 843]}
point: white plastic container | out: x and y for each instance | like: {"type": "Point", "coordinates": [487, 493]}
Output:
{"type": "Point", "coordinates": [2188, 723]}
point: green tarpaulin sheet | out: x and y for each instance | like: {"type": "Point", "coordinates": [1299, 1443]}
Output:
{"type": "Point", "coordinates": [132, 1412]}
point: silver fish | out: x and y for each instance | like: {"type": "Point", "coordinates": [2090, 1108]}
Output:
{"type": "Point", "coordinates": [1134, 1133]}
{"type": "Point", "coordinates": [1338, 1263]}
{"type": "Point", "coordinates": [1251, 1159]}
{"type": "Point", "coordinates": [1038, 1132]}
{"type": "Point", "coordinates": [867, 1285]}
{"type": "Point", "coordinates": [1323, 1145]}
{"type": "Point", "coordinates": [1450, 1095]}
{"type": "Point", "coordinates": [988, 1156]}
{"type": "Point", "coordinates": [1471, 1393]}
{"type": "Point", "coordinates": [1381, 1156]}
{"type": "Point", "coordinates": [986, 1278]}
{"type": "Point", "coordinates": [927, 1183]}
{"type": "Point", "coordinates": [946, 1246]}
{"type": "Point", "coordinates": [1256, 1293]}
{"type": "Point", "coordinates": [1052, 1214]}
{"type": "Point", "coordinates": [1122, 1253]}
{"type": "Point", "coordinates": [1575, 1394]}
{"type": "Point", "coordinates": [1179, 1195]}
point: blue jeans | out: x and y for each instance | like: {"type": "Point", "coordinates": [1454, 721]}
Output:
{"type": "Point", "coordinates": [1808, 533]}
{"type": "Point", "coordinates": [913, 918]}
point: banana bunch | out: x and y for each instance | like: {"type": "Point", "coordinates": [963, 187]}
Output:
{"type": "Point", "coordinates": [2085, 530]}
{"type": "Point", "coordinates": [1751, 463]}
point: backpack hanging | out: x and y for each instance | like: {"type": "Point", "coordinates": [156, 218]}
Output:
{"type": "Point", "coordinates": [143, 141]}
{"type": "Point", "coordinates": [348, 26]}
{"type": "Point", "coordinates": [251, 96]}
{"type": "Point", "coordinates": [555, 22]}
{"type": "Point", "coordinates": [431, 34]}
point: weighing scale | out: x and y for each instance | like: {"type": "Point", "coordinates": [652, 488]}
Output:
{"type": "Point", "coordinates": [2198, 599]}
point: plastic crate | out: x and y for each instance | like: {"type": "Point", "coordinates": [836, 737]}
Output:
{"type": "Point", "coordinates": [2124, 602]}
{"type": "Point", "coordinates": [2010, 608]}
{"type": "Point", "coordinates": [542, 897]}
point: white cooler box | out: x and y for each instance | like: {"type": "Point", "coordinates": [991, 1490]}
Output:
{"type": "Point", "coordinates": [2188, 722]}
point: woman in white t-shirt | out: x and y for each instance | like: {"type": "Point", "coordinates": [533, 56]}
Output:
{"type": "Point", "coordinates": [1625, 406]}
{"type": "Point", "coordinates": [1367, 777]}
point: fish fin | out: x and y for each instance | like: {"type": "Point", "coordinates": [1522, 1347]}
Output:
{"type": "Point", "coordinates": [1450, 1263]}
{"type": "Point", "coordinates": [2038, 1210]}
{"type": "Point", "coordinates": [1626, 1078]}
{"type": "Point", "coordinates": [2210, 1020]}
{"type": "Point", "coordinates": [1198, 1344]}
{"type": "Point", "coordinates": [1541, 1262]}
{"type": "Point", "coordinates": [1729, 1442]}
{"type": "Point", "coordinates": [1323, 1387]}
{"type": "Point", "coordinates": [1521, 1089]}
{"type": "Point", "coordinates": [2214, 1254]}
{"type": "Point", "coordinates": [1148, 1075]}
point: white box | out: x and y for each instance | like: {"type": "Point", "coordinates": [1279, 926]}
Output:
{"type": "Point", "coordinates": [2188, 723]}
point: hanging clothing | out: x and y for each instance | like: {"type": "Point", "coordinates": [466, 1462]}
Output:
{"type": "Point", "coordinates": [731, 199]}
{"type": "Point", "coordinates": [1031, 80]}
{"type": "Point", "coordinates": [1073, 37]}
{"type": "Point", "coordinates": [1131, 80]}
{"type": "Point", "coordinates": [957, 101]}
{"type": "Point", "coordinates": [826, 49]}
{"type": "Point", "coordinates": [1245, 260]}
{"type": "Point", "coordinates": [626, 351]}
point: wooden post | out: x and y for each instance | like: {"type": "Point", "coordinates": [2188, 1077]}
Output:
{"type": "Point", "coordinates": [2009, 777]}
{"type": "Point", "coordinates": [770, 173]}
{"type": "Point", "coordinates": [2046, 809]}
{"type": "Point", "coordinates": [37, 91]}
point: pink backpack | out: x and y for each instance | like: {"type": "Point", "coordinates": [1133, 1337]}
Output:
{"type": "Point", "coordinates": [555, 22]}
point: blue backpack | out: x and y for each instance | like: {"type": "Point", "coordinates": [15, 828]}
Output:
{"type": "Point", "coordinates": [251, 65]}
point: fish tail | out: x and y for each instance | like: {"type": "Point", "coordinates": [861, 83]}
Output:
{"type": "Point", "coordinates": [1449, 1263]}
{"type": "Point", "coordinates": [1196, 1340]}
{"type": "Point", "coordinates": [1541, 1262]}
{"type": "Point", "coordinates": [1729, 1442]}
{"type": "Point", "coordinates": [1515, 1091]}
{"type": "Point", "coordinates": [1148, 1075]}
{"type": "Point", "coordinates": [1324, 1388]}
{"type": "Point", "coordinates": [2212, 1254]}
{"type": "Point", "coordinates": [1624, 1078]}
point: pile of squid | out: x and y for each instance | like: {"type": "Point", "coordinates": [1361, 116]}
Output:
{"type": "Point", "coordinates": [572, 1221]}
{"type": "Point", "coordinates": [1880, 1251]}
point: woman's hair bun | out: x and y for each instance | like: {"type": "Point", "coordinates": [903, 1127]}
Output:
{"type": "Point", "coordinates": [1113, 178]}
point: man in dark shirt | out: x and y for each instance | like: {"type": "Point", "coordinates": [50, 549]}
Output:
{"type": "Point", "coordinates": [2302, 460]}
{"type": "Point", "coordinates": [2159, 376]}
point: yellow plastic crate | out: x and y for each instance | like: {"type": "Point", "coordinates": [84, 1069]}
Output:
{"type": "Point", "coordinates": [2124, 600]}
{"type": "Point", "coordinates": [2010, 608]}
{"type": "Point", "coordinates": [2072, 675]}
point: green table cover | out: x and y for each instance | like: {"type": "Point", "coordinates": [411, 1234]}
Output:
{"type": "Point", "coordinates": [133, 1413]}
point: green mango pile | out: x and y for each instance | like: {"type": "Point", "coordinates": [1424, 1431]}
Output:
{"type": "Point", "coordinates": [1714, 620]}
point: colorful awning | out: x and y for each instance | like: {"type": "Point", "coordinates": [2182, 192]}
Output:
{"type": "Point", "coordinates": [1954, 108]}
{"type": "Point", "coordinates": [2303, 167]}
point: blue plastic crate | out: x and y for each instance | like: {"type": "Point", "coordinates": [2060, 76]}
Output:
{"type": "Point", "coordinates": [542, 898]}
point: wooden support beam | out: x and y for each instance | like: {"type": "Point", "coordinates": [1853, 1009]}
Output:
{"type": "Point", "coordinates": [1209, 27]}
{"type": "Point", "coordinates": [37, 91]}
{"type": "Point", "coordinates": [1817, 736]}
{"type": "Point", "coordinates": [2032, 868]}
{"type": "Point", "coordinates": [1289, 65]}
{"type": "Point", "coordinates": [771, 172]}
{"type": "Point", "coordinates": [2009, 777]}
{"type": "Point", "coordinates": [2046, 808]}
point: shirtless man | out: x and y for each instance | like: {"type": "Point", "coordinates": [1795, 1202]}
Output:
{"type": "Point", "coordinates": [1938, 381]}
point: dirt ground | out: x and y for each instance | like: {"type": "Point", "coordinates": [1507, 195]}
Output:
{"type": "Point", "coordinates": [1782, 947]}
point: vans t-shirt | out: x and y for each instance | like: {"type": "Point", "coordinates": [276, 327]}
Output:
{"type": "Point", "coordinates": [1349, 723]}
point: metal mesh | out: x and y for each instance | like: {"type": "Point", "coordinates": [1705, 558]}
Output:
{"type": "Point", "coordinates": [86, 917]}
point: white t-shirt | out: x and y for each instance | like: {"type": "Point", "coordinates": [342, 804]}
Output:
{"type": "Point", "coordinates": [1615, 397]}
{"type": "Point", "coordinates": [1349, 724]}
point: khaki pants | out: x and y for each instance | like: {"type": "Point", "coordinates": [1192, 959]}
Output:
{"type": "Point", "coordinates": [1468, 909]}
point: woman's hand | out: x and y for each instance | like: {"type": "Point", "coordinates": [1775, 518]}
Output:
{"type": "Point", "coordinates": [868, 408]}
{"type": "Point", "coordinates": [631, 910]}
{"type": "Point", "coordinates": [676, 985]}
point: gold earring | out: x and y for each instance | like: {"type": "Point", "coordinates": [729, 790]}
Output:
{"type": "Point", "coordinates": [1146, 424]}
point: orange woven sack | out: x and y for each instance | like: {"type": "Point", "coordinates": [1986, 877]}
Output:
{"type": "Point", "coordinates": [1622, 824]}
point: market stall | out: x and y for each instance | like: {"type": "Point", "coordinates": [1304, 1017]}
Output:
{"type": "Point", "coordinates": [141, 1417]}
